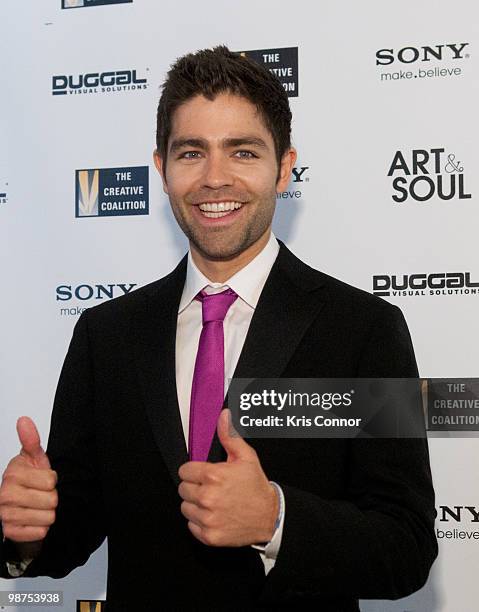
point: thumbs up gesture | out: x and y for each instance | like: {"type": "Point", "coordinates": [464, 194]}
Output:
{"type": "Point", "coordinates": [230, 503]}
{"type": "Point", "coordinates": [28, 495]}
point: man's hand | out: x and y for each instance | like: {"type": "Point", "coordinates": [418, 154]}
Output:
{"type": "Point", "coordinates": [28, 495]}
{"type": "Point", "coordinates": [230, 503]}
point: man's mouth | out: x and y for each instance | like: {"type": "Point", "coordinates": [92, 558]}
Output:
{"type": "Point", "coordinates": [214, 210]}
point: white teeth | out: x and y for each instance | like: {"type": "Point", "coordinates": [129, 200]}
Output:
{"type": "Point", "coordinates": [215, 215]}
{"type": "Point", "coordinates": [219, 206]}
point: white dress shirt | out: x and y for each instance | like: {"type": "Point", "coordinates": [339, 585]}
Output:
{"type": "Point", "coordinates": [247, 284]}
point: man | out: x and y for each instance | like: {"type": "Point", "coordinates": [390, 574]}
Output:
{"type": "Point", "coordinates": [256, 524]}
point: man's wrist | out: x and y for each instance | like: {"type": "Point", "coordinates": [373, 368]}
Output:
{"type": "Point", "coordinates": [278, 515]}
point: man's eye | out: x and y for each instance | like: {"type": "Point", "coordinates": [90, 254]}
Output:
{"type": "Point", "coordinates": [245, 154]}
{"type": "Point", "coordinates": [190, 155]}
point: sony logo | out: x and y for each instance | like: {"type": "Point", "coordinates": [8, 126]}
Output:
{"type": "Point", "coordinates": [298, 174]}
{"type": "Point", "coordinates": [456, 513]}
{"type": "Point", "coordinates": [409, 55]}
{"type": "Point", "coordinates": [96, 292]}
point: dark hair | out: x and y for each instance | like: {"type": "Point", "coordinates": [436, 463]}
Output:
{"type": "Point", "coordinates": [212, 71]}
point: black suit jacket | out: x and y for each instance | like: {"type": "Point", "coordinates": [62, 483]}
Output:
{"type": "Point", "coordinates": [359, 513]}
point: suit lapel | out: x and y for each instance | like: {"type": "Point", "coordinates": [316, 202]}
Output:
{"type": "Point", "coordinates": [154, 339]}
{"type": "Point", "coordinates": [292, 297]}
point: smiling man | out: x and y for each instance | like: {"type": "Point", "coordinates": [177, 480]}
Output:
{"type": "Point", "coordinates": [140, 450]}
{"type": "Point", "coordinates": [221, 176]}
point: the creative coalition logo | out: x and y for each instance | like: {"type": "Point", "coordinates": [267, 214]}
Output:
{"type": "Point", "coordinates": [282, 62]}
{"type": "Point", "coordinates": [299, 176]}
{"type": "Point", "coordinates": [422, 284]}
{"type": "Point", "coordinates": [111, 192]}
{"type": "Point", "coordinates": [457, 522]}
{"type": "Point", "coordinates": [422, 62]}
{"type": "Point", "coordinates": [422, 175]}
{"type": "Point", "coordinates": [98, 82]}
{"type": "Point", "coordinates": [90, 605]}
{"type": "Point", "coordinates": [452, 404]}
{"type": "Point", "coordinates": [66, 4]}
{"type": "Point", "coordinates": [68, 295]}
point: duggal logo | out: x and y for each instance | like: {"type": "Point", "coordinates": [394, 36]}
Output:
{"type": "Point", "coordinates": [97, 82]}
{"type": "Point", "coordinates": [66, 4]}
{"type": "Point", "coordinates": [111, 192]}
{"type": "Point", "coordinates": [402, 60]}
{"type": "Point", "coordinates": [422, 175]}
{"type": "Point", "coordinates": [434, 284]}
{"type": "Point", "coordinates": [282, 62]}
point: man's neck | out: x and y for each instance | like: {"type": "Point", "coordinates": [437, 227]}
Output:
{"type": "Point", "coordinates": [218, 271]}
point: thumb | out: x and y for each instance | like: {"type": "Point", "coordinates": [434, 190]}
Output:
{"type": "Point", "coordinates": [30, 441]}
{"type": "Point", "coordinates": [231, 441]}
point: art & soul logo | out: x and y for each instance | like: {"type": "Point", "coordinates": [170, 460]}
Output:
{"type": "Point", "coordinates": [422, 175]}
{"type": "Point", "coordinates": [97, 82]}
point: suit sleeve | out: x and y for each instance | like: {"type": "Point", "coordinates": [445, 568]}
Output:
{"type": "Point", "coordinates": [378, 542]}
{"type": "Point", "coordinates": [79, 528]}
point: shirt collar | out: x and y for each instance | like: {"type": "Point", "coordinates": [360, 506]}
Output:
{"type": "Point", "coordinates": [247, 282]}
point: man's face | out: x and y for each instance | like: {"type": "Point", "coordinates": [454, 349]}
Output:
{"type": "Point", "coordinates": [221, 174]}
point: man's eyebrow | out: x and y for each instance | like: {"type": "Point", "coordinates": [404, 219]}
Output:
{"type": "Point", "coordinates": [228, 143]}
{"type": "Point", "coordinates": [181, 143]}
{"type": "Point", "coordinates": [254, 141]}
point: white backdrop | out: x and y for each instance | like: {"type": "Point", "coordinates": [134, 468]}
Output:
{"type": "Point", "coordinates": [350, 118]}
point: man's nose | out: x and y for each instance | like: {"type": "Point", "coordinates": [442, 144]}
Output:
{"type": "Point", "coordinates": [217, 172]}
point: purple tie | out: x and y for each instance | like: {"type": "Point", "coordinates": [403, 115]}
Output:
{"type": "Point", "coordinates": [207, 390]}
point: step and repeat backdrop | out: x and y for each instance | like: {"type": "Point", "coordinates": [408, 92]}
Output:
{"type": "Point", "coordinates": [384, 196]}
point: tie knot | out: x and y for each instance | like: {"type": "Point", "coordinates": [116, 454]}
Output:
{"type": "Point", "coordinates": [216, 305]}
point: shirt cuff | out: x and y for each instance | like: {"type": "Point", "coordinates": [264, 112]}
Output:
{"type": "Point", "coordinates": [270, 550]}
{"type": "Point", "coordinates": [16, 567]}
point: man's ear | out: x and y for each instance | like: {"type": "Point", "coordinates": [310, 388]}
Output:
{"type": "Point", "coordinates": [287, 164]}
{"type": "Point", "coordinates": [159, 166]}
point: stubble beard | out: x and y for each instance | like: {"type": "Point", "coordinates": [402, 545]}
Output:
{"type": "Point", "coordinates": [225, 244]}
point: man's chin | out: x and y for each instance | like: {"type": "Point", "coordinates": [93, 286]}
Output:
{"type": "Point", "coordinates": [224, 246]}
{"type": "Point", "coordinates": [219, 253]}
